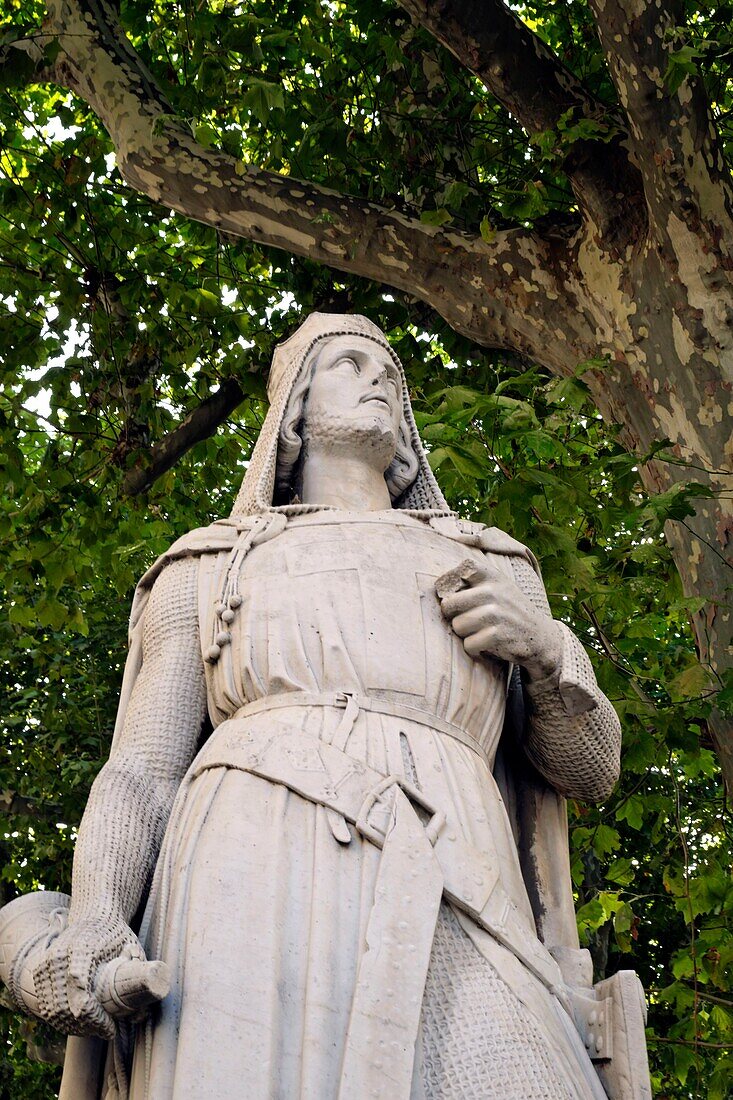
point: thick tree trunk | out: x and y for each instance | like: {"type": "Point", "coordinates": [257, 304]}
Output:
{"type": "Point", "coordinates": [646, 279]}
{"type": "Point", "coordinates": [671, 377]}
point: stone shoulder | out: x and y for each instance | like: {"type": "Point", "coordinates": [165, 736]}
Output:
{"type": "Point", "coordinates": [492, 540]}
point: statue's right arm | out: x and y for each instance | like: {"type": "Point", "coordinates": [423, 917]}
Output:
{"type": "Point", "coordinates": [129, 806]}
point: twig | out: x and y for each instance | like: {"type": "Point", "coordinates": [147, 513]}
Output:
{"type": "Point", "coordinates": [690, 1043]}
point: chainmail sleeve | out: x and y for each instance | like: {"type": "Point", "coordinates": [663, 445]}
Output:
{"type": "Point", "coordinates": [574, 735]}
{"type": "Point", "coordinates": [131, 798]}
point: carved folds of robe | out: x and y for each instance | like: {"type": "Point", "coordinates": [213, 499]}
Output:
{"type": "Point", "coordinates": [271, 909]}
{"type": "Point", "coordinates": [262, 994]}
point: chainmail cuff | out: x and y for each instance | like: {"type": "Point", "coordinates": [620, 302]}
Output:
{"type": "Point", "coordinates": [573, 678]}
{"type": "Point", "coordinates": [573, 736]}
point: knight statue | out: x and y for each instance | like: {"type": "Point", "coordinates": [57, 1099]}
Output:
{"type": "Point", "coordinates": [328, 855]}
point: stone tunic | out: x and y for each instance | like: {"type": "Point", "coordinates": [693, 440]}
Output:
{"type": "Point", "coordinates": [261, 994]}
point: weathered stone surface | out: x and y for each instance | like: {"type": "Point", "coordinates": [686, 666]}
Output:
{"type": "Point", "coordinates": [360, 883]}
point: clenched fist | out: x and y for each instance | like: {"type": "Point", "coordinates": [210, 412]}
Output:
{"type": "Point", "coordinates": [494, 617]}
{"type": "Point", "coordinates": [66, 980]}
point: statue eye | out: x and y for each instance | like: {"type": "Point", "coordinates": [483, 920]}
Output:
{"type": "Point", "coordinates": [347, 361]}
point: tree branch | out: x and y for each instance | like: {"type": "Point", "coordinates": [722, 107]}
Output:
{"type": "Point", "coordinates": [198, 425]}
{"type": "Point", "coordinates": [724, 1002]}
{"type": "Point", "coordinates": [513, 292]}
{"type": "Point", "coordinates": [12, 803]}
{"type": "Point", "coordinates": [528, 79]}
{"type": "Point", "coordinates": [672, 133]}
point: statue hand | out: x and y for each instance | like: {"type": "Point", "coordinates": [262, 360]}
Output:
{"type": "Point", "coordinates": [66, 979]}
{"type": "Point", "coordinates": [493, 616]}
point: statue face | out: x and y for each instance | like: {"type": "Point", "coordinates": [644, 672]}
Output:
{"type": "Point", "coordinates": [355, 384]}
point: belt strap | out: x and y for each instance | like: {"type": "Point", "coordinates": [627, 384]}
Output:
{"type": "Point", "coordinates": [384, 1021]}
{"type": "Point", "coordinates": [325, 774]}
{"type": "Point", "coordinates": [342, 700]}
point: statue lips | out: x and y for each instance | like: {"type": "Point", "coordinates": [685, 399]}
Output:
{"type": "Point", "coordinates": [380, 398]}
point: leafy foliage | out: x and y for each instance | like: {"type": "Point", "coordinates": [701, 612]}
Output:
{"type": "Point", "coordinates": [117, 319]}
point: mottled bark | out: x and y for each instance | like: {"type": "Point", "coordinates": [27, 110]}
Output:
{"type": "Point", "coordinates": [680, 352]}
{"type": "Point", "coordinates": [672, 134]}
{"type": "Point", "coordinates": [653, 293]}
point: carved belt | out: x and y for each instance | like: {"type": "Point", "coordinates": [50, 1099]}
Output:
{"type": "Point", "coordinates": [354, 702]}
{"type": "Point", "coordinates": [424, 857]}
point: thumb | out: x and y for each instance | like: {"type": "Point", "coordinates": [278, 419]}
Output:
{"type": "Point", "coordinates": [465, 575]}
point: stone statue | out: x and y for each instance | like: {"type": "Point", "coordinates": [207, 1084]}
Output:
{"type": "Point", "coordinates": [352, 882]}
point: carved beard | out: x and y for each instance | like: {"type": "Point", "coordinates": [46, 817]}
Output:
{"type": "Point", "coordinates": [375, 440]}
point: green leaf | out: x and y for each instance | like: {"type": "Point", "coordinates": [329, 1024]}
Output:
{"type": "Point", "coordinates": [262, 97]}
{"type": "Point", "coordinates": [691, 683]}
{"type": "Point", "coordinates": [606, 839]}
{"type": "Point", "coordinates": [544, 445]}
{"type": "Point", "coordinates": [486, 229]}
{"type": "Point", "coordinates": [465, 462]}
{"type": "Point", "coordinates": [205, 134]}
{"type": "Point", "coordinates": [621, 871]}
{"type": "Point", "coordinates": [624, 927]}
{"type": "Point", "coordinates": [455, 193]}
{"type": "Point", "coordinates": [681, 63]}
{"type": "Point", "coordinates": [632, 811]}
{"type": "Point", "coordinates": [676, 503]}
{"type": "Point", "coordinates": [435, 217]}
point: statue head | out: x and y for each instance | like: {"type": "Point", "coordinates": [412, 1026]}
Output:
{"type": "Point", "coordinates": [348, 396]}
{"type": "Point", "coordinates": [337, 379]}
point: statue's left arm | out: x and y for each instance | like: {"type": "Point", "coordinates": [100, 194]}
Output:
{"type": "Point", "coordinates": [574, 736]}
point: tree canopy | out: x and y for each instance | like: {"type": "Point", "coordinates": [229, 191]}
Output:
{"type": "Point", "coordinates": [136, 340]}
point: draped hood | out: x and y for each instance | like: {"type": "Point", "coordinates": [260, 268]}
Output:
{"type": "Point", "coordinates": [294, 356]}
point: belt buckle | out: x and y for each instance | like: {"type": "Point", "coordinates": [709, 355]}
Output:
{"type": "Point", "coordinates": [378, 836]}
{"type": "Point", "coordinates": [342, 700]}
